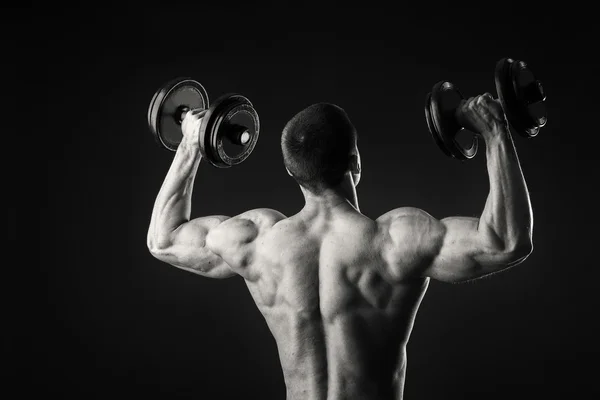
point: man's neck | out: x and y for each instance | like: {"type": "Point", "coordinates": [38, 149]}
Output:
{"type": "Point", "coordinates": [330, 200]}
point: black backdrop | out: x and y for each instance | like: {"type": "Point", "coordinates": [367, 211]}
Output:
{"type": "Point", "coordinates": [100, 318]}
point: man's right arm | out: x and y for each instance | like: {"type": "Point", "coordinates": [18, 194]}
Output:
{"type": "Point", "coordinates": [458, 249]}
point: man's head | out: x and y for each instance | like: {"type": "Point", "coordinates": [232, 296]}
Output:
{"type": "Point", "coordinates": [319, 146]}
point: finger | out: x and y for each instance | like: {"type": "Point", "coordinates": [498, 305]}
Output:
{"type": "Point", "coordinates": [465, 104]}
{"type": "Point", "coordinates": [486, 99]}
{"type": "Point", "coordinates": [481, 100]}
{"type": "Point", "coordinates": [186, 117]}
{"type": "Point", "coordinates": [189, 120]}
{"type": "Point", "coordinates": [198, 112]}
{"type": "Point", "coordinates": [473, 102]}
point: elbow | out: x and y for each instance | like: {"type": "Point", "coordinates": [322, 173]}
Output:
{"type": "Point", "coordinates": [150, 243]}
{"type": "Point", "coordinates": [524, 247]}
{"type": "Point", "coordinates": [519, 252]}
{"type": "Point", "coordinates": [157, 245]}
{"type": "Point", "coordinates": [152, 247]}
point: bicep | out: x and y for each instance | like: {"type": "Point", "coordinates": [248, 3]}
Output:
{"type": "Point", "coordinates": [187, 249]}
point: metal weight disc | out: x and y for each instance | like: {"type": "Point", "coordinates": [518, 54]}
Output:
{"type": "Point", "coordinates": [521, 95]}
{"type": "Point", "coordinates": [165, 111]}
{"type": "Point", "coordinates": [432, 127]}
{"type": "Point", "coordinates": [230, 132]}
{"type": "Point", "coordinates": [440, 112]}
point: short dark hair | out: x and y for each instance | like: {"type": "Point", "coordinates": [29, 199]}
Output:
{"type": "Point", "coordinates": [317, 144]}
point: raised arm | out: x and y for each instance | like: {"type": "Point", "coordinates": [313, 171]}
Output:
{"type": "Point", "coordinates": [458, 249]}
{"type": "Point", "coordinates": [214, 246]}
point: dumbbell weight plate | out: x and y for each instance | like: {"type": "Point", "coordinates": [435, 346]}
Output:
{"type": "Point", "coordinates": [522, 96]}
{"type": "Point", "coordinates": [222, 124]}
{"type": "Point", "coordinates": [164, 113]}
{"type": "Point", "coordinates": [440, 112]}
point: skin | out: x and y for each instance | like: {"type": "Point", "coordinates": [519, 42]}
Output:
{"type": "Point", "coordinates": [339, 290]}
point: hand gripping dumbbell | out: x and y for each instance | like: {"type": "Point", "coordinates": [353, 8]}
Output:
{"type": "Point", "coordinates": [521, 95]}
{"type": "Point", "coordinates": [229, 129]}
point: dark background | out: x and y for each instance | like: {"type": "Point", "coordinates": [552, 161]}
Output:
{"type": "Point", "coordinates": [98, 317]}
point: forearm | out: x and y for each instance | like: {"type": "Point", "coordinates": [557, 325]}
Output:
{"type": "Point", "coordinates": [173, 203]}
{"type": "Point", "coordinates": [507, 216]}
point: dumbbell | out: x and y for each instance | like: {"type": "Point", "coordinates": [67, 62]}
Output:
{"type": "Point", "coordinates": [228, 131]}
{"type": "Point", "coordinates": [521, 95]}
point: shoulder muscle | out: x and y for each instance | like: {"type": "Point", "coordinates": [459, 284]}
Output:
{"type": "Point", "coordinates": [412, 239]}
{"type": "Point", "coordinates": [234, 239]}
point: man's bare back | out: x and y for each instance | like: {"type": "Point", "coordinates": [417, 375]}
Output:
{"type": "Point", "coordinates": [341, 322]}
{"type": "Point", "coordinates": [338, 290]}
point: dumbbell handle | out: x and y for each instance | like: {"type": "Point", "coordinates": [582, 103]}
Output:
{"type": "Point", "coordinates": [237, 134]}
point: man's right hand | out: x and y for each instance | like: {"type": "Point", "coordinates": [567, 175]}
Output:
{"type": "Point", "coordinates": [482, 115]}
{"type": "Point", "coordinates": [190, 127]}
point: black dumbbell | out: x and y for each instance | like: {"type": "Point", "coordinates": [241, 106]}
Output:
{"type": "Point", "coordinates": [521, 95]}
{"type": "Point", "coordinates": [229, 129]}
